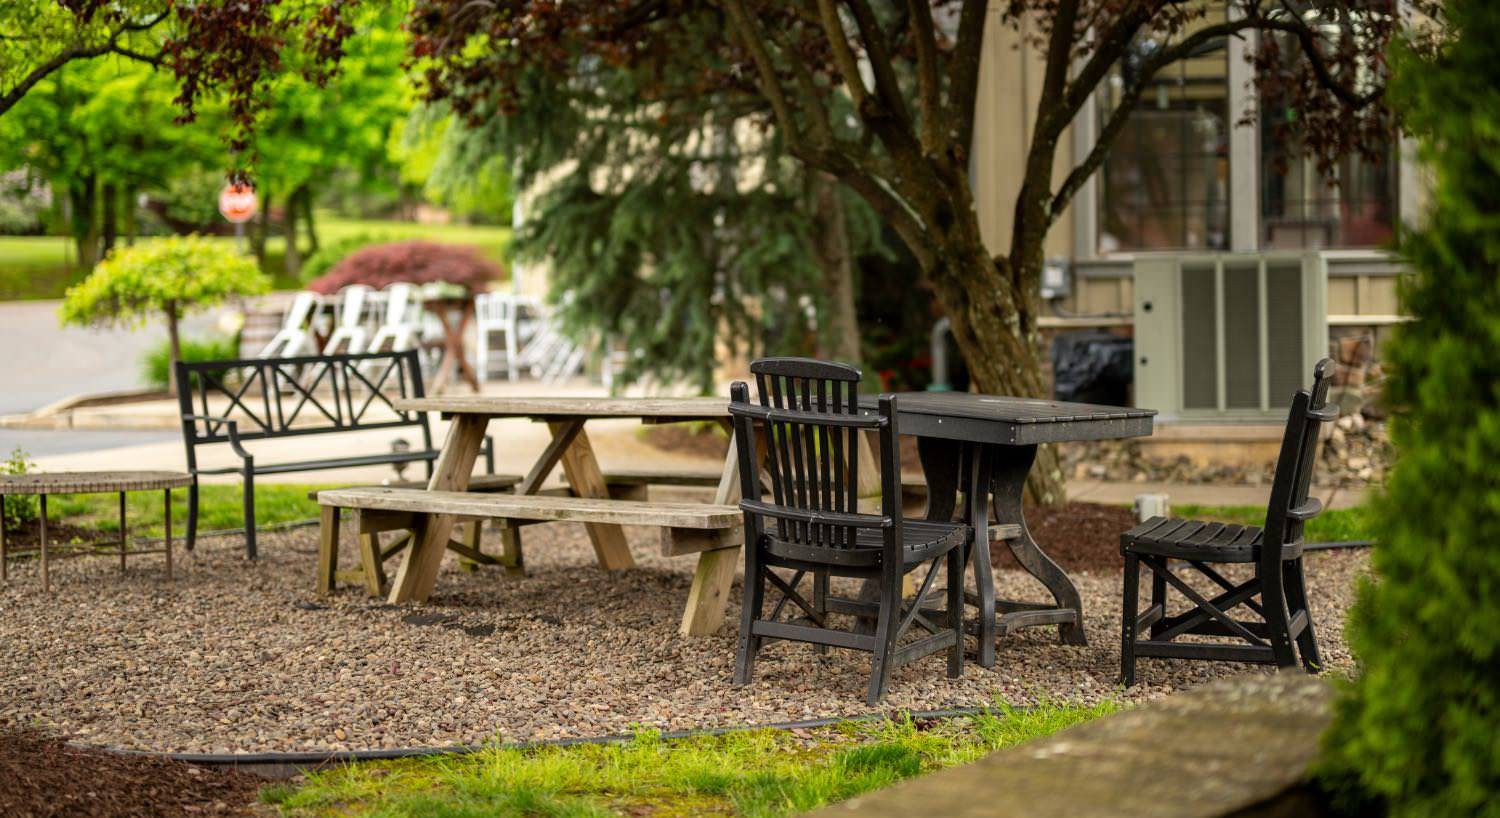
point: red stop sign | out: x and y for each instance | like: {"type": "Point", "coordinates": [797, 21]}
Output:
{"type": "Point", "coordinates": [237, 202]}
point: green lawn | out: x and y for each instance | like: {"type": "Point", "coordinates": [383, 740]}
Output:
{"type": "Point", "coordinates": [755, 773]}
{"type": "Point", "coordinates": [40, 266]}
{"type": "Point", "coordinates": [1333, 525]}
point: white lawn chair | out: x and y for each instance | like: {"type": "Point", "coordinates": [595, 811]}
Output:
{"type": "Point", "coordinates": [497, 313]}
{"type": "Point", "coordinates": [402, 328]}
{"type": "Point", "coordinates": [351, 335]}
{"type": "Point", "coordinates": [293, 338]}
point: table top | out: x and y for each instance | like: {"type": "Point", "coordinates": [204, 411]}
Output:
{"type": "Point", "coordinates": [1007, 420]}
{"type": "Point", "coordinates": [86, 482]}
{"type": "Point", "coordinates": [572, 407]}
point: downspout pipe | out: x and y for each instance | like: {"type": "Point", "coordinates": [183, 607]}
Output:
{"type": "Point", "coordinates": [938, 348]}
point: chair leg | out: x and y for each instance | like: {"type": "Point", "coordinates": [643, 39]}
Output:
{"type": "Point", "coordinates": [820, 602]}
{"type": "Point", "coordinates": [1130, 604]}
{"type": "Point", "coordinates": [956, 611]}
{"type": "Point", "coordinates": [1158, 597]}
{"type": "Point", "coordinates": [1278, 625]}
{"type": "Point", "coordinates": [1296, 592]}
{"type": "Point", "coordinates": [750, 611]}
{"type": "Point", "coordinates": [192, 516]}
{"type": "Point", "coordinates": [885, 631]}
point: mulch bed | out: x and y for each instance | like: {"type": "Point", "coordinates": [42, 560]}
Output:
{"type": "Point", "coordinates": [42, 777]}
{"type": "Point", "coordinates": [29, 536]}
{"type": "Point", "coordinates": [1079, 536]}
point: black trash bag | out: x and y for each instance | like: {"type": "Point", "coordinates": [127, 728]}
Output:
{"type": "Point", "coordinates": [1092, 366]}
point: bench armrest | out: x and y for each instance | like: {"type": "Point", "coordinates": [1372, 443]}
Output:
{"type": "Point", "coordinates": [232, 426]}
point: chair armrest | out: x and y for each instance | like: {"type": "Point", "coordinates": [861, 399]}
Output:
{"type": "Point", "coordinates": [229, 424]}
{"type": "Point", "coordinates": [1308, 510]}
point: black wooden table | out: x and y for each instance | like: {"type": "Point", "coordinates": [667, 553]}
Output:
{"type": "Point", "coordinates": [966, 441]}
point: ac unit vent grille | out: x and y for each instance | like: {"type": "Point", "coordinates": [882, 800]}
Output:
{"type": "Point", "coordinates": [1200, 331]}
{"type": "Point", "coordinates": [1284, 353]}
{"type": "Point", "coordinates": [1242, 336]}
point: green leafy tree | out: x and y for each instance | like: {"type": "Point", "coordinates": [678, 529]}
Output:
{"type": "Point", "coordinates": [162, 278]}
{"type": "Point", "coordinates": [41, 37]}
{"type": "Point", "coordinates": [314, 128]}
{"type": "Point", "coordinates": [1420, 728]}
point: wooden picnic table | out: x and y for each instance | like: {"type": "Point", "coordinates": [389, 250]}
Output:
{"type": "Point", "coordinates": [454, 314]}
{"type": "Point", "coordinates": [566, 418]}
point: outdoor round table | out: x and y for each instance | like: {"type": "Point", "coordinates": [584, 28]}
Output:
{"type": "Point", "coordinates": [92, 482]}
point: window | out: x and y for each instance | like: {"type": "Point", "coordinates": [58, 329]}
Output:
{"type": "Point", "coordinates": [1165, 184]}
{"type": "Point", "coordinates": [1301, 208]}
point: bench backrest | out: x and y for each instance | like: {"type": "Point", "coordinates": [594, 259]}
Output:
{"type": "Point", "coordinates": [285, 397]}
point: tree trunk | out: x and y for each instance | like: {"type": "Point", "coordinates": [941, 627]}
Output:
{"type": "Point", "coordinates": [175, 344]}
{"type": "Point", "coordinates": [994, 324]}
{"type": "Point", "coordinates": [83, 196]}
{"type": "Point", "coordinates": [132, 227]}
{"type": "Point", "coordinates": [308, 221]}
{"type": "Point", "coordinates": [293, 258]}
{"type": "Point", "coordinates": [109, 206]}
{"type": "Point", "coordinates": [831, 250]}
{"type": "Point", "coordinates": [260, 229]}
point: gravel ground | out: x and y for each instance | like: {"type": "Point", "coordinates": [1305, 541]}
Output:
{"type": "Point", "coordinates": [239, 657]}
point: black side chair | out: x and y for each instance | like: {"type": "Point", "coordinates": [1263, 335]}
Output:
{"type": "Point", "coordinates": [809, 414]}
{"type": "Point", "coordinates": [1284, 618]}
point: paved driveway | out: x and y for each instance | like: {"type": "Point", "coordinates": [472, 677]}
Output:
{"type": "Point", "coordinates": [41, 361]}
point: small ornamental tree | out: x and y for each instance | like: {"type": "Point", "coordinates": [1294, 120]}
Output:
{"type": "Point", "coordinates": [415, 262]}
{"type": "Point", "coordinates": [1420, 728]}
{"type": "Point", "coordinates": [166, 278]}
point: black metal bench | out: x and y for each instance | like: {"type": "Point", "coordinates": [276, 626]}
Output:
{"type": "Point", "coordinates": [236, 401]}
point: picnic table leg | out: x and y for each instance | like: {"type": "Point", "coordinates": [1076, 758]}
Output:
{"type": "Point", "coordinates": [586, 480]}
{"type": "Point", "coordinates": [714, 576]}
{"type": "Point", "coordinates": [328, 548]}
{"type": "Point", "coordinates": [454, 466]}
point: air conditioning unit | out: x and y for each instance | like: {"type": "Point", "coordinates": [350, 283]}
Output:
{"type": "Point", "coordinates": [1227, 336]}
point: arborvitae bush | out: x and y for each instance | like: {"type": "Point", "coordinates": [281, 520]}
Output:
{"type": "Point", "coordinates": [1420, 728]}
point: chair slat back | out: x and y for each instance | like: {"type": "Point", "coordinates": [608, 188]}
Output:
{"type": "Point", "coordinates": [808, 412]}
{"type": "Point", "coordinates": [1294, 465]}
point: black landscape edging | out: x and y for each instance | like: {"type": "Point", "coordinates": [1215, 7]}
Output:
{"type": "Point", "coordinates": [314, 759]}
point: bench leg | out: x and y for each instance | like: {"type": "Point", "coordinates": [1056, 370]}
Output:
{"type": "Point", "coordinates": [511, 555]}
{"type": "Point", "coordinates": [474, 538]}
{"type": "Point", "coordinates": [370, 562]}
{"type": "Point", "coordinates": [328, 548]}
{"type": "Point", "coordinates": [710, 592]}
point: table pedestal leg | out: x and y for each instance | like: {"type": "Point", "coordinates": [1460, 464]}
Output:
{"type": "Point", "coordinates": [709, 595]}
{"type": "Point", "coordinates": [1007, 484]}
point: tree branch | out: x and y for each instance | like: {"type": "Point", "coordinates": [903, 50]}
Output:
{"type": "Point", "coordinates": [753, 40]}
{"type": "Point", "coordinates": [929, 83]}
{"type": "Point", "coordinates": [111, 45]}
{"type": "Point", "coordinates": [963, 72]}
{"type": "Point", "coordinates": [887, 87]}
{"type": "Point", "coordinates": [843, 55]}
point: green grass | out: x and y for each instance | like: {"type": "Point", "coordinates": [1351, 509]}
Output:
{"type": "Point", "coordinates": [1333, 525]}
{"type": "Point", "coordinates": [219, 508]}
{"type": "Point", "coordinates": [34, 267]}
{"type": "Point", "coordinates": [755, 773]}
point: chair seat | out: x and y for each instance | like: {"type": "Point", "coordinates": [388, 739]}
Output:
{"type": "Point", "coordinates": [1193, 540]}
{"type": "Point", "coordinates": [923, 540]}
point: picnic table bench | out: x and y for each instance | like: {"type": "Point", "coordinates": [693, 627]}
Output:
{"type": "Point", "coordinates": [710, 530]}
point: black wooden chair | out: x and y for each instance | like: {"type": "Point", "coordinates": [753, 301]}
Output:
{"type": "Point", "coordinates": [809, 415]}
{"type": "Point", "coordinates": [1284, 627]}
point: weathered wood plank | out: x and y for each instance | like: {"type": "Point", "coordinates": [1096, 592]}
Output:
{"type": "Point", "coordinates": [576, 407]}
{"type": "Point", "coordinates": [419, 570]}
{"type": "Point", "coordinates": [536, 507]}
{"type": "Point", "coordinates": [587, 481]}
